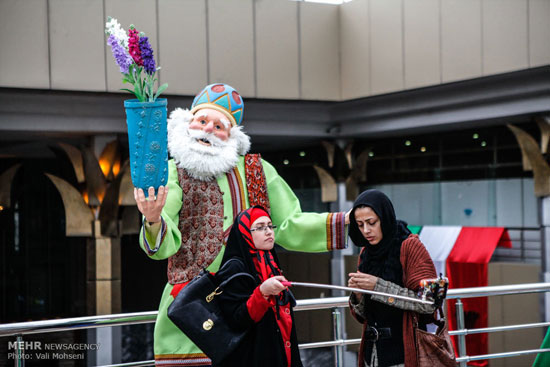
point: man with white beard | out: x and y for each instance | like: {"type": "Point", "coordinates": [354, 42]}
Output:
{"type": "Point", "coordinates": [211, 179]}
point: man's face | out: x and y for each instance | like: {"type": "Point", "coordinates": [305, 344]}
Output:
{"type": "Point", "coordinates": [211, 121]}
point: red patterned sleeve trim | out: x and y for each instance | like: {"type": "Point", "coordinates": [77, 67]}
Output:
{"type": "Point", "coordinates": [257, 305]}
{"type": "Point", "coordinates": [152, 251]}
{"type": "Point", "coordinates": [336, 231]}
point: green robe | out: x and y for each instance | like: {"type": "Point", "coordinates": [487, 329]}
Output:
{"type": "Point", "coordinates": [296, 231]}
{"type": "Point", "coordinates": [543, 359]}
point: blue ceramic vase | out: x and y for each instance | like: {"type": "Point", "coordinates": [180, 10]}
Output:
{"type": "Point", "coordinates": [147, 141]}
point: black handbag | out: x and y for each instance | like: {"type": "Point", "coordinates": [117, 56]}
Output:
{"type": "Point", "coordinates": [196, 311]}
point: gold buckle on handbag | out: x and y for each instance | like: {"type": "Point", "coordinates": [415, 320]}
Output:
{"type": "Point", "coordinates": [207, 325]}
{"type": "Point", "coordinates": [211, 296]}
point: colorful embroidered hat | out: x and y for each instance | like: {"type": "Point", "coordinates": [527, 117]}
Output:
{"type": "Point", "coordinates": [221, 97]}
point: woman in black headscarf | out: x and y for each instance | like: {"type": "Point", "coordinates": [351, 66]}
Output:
{"type": "Point", "coordinates": [392, 260]}
{"type": "Point", "coordinates": [264, 306]}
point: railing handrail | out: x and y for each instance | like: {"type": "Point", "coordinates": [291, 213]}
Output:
{"type": "Point", "coordinates": [88, 322]}
{"type": "Point", "coordinates": [498, 290]}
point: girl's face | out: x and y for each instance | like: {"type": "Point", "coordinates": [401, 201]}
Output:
{"type": "Point", "coordinates": [369, 225]}
{"type": "Point", "coordinates": [262, 233]}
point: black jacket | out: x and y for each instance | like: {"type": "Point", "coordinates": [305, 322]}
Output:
{"type": "Point", "coordinates": [262, 345]}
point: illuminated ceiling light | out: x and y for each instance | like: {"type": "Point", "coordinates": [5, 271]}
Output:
{"type": "Point", "coordinates": [302, 154]}
{"type": "Point", "coordinates": [475, 136]}
{"type": "Point", "coordinates": [408, 143]}
{"type": "Point", "coordinates": [105, 166]}
{"type": "Point", "coordinates": [116, 168]}
{"type": "Point", "coordinates": [423, 149]}
{"type": "Point", "coordinates": [337, 2]}
{"type": "Point", "coordinates": [286, 162]}
{"type": "Point", "coordinates": [371, 154]}
{"type": "Point", "coordinates": [86, 197]}
{"type": "Point", "coordinates": [483, 143]}
{"type": "Point", "coordinates": [1, 208]}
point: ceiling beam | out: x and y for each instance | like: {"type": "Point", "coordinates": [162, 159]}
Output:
{"type": "Point", "coordinates": [491, 100]}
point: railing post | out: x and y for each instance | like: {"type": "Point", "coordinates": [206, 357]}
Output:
{"type": "Point", "coordinates": [337, 328]}
{"type": "Point", "coordinates": [19, 352]}
{"type": "Point", "coordinates": [460, 325]}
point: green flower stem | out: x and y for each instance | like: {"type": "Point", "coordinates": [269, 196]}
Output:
{"type": "Point", "coordinates": [144, 85]}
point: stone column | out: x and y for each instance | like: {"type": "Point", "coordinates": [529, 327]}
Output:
{"type": "Point", "coordinates": [103, 273]}
{"type": "Point", "coordinates": [338, 274]}
{"type": "Point", "coordinates": [103, 294]}
{"type": "Point", "coordinates": [544, 205]}
{"type": "Point", "coordinates": [340, 277]}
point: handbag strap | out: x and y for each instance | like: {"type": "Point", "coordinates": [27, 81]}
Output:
{"type": "Point", "coordinates": [224, 283]}
{"type": "Point", "coordinates": [436, 321]}
{"type": "Point", "coordinates": [219, 289]}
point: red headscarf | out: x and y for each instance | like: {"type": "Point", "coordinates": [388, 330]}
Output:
{"type": "Point", "coordinates": [263, 260]}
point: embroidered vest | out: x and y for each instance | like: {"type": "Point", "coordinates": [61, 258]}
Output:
{"type": "Point", "coordinates": [201, 217]}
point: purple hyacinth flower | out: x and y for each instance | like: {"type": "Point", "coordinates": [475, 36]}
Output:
{"type": "Point", "coordinates": [147, 55]}
{"type": "Point", "coordinates": [122, 58]}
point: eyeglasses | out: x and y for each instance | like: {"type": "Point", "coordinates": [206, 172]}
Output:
{"type": "Point", "coordinates": [263, 228]}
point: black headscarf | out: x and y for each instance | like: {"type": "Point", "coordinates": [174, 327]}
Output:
{"type": "Point", "coordinates": [381, 260]}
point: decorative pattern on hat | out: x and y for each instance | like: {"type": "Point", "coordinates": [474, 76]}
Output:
{"type": "Point", "coordinates": [221, 97]}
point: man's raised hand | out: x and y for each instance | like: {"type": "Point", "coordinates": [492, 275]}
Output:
{"type": "Point", "coordinates": [151, 207]}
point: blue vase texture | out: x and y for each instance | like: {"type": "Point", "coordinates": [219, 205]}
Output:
{"type": "Point", "coordinates": [147, 140]}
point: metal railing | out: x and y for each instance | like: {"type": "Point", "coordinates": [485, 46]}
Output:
{"type": "Point", "coordinates": [334, 303]}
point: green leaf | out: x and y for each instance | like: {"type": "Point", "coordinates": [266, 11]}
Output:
{"type": "Point", "coordinates": [130, 77]}
{"type": "Point", "coordinates": [138, 94]}
{"type": "Point", "coordinates": [161, 89]}
{"type": "Point", "coordinates": [144, 88]}
{"type": "Point", "coordinates": [151, 86]}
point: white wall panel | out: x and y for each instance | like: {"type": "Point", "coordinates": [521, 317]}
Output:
{"type": "Point", "coordinates": [24, 60]}
{"type": "Point", "coordinates": [275, 48]}
{"type": "Point", "coordinates": [182, 36]}
{"type": "Point", "coordinates": [509, 204]}
{"type": "Point", "coordinates": [386, 21]}
{"type": "Point", "coordinates": [446, 203]}
{"type": "Point", "coordinates": [355, 45]}
{"type": "Point", "coordinates": [530, 207]}
{"type": "Point", "coordinates": [140, 13]}
{"type": "Point", "coordinates": [460, 198]}
{"type": "Point", "coordinates": [504, 36]}
{"type": "Point", "coordinates": [460, 39]}
{"type": "Point", "coordinates": [77, 55]}
{"type": "Point", "coordinates": [386, 189]}
{"type": "Point", "coordinates": [320, 51]}
{"type": "Point", "coordinates": [539, 32]}
{"type": "Point", "coordinates": [277, 67]}
{"type": "Point", "coordinates": [417, 204]}
{"type": "Point", "coordinates": [422, 46]}
{"type": "Point", "coordinates": [231, 45]}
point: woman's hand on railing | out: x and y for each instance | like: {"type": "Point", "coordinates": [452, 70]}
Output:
{"type": "Point", "coordinates": [273, 286]}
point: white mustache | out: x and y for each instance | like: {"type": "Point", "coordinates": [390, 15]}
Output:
{"type": "Point", "coordinates": [210, 137]}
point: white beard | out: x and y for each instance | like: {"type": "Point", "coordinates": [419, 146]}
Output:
{"type": "Point", "coordinates": [200, 161]}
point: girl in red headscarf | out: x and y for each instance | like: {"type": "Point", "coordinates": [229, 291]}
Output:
{"type": "Point", "coordinates": [264, 306]}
